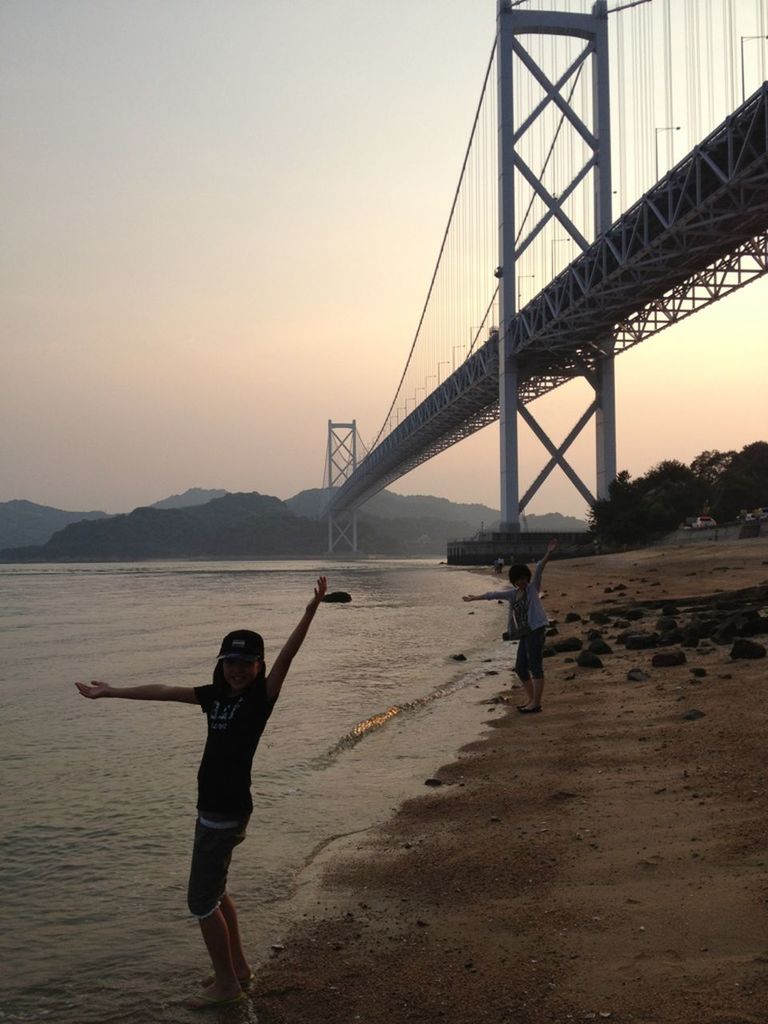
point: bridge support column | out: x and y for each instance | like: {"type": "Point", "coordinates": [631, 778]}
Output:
{"type": "Point", "coordinates": [510, 483]}
{"type": "Point", "coordinates": [605, 385]}
{"type": "Point", "coordinates": [605, 424]}
{"type": "Point", "coordinates": [342, 531]}
{"type": "Point", "coordinates": [508, 371]}
{"type": "Point", "coordinates": [555, 199]}
{"type": "Point", "coordinates": [341, 464]}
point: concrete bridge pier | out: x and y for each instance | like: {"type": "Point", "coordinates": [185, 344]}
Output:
{"type": "Point", "coordinates": [605, 423]}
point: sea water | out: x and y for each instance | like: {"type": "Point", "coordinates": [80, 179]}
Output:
{"type": "Point", "coordinates": [97, 797]}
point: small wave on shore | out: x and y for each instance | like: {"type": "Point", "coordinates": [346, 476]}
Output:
{"type": "Point", "coordinates": [380, 719]}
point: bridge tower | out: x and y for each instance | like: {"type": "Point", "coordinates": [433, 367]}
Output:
{"type": "Point", "coordinates": [341, 464]}
{"type": "Point", "coordinates": [514, 25]}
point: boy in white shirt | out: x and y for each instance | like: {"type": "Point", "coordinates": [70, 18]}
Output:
{"type": "Point", "coordinates": [527, 624]}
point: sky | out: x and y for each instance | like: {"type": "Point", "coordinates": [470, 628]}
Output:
{"type": "Point", "coordinates": [219, 222]}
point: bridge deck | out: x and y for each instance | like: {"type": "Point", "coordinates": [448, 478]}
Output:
{"type": "Point", "coordinates": [709, 209]}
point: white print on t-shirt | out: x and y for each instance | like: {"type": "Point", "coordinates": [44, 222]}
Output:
{"type": "Point", "coordinates": [222, 713]}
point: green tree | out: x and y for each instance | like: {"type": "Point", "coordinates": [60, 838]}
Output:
{"type": "Point", "coordinates": [723, 483]}
{"type": "Point", "coordinates": [744, 483]}
{"type": "Point", "coordinates": [670, 493]}
{"type": "Point", "coordinates": [711, 468]}
{"type": "Point", "coordinates": [616, 519]}
{"type": "Point", "coordinates": [637, 511]}
{"type": "Point", "coordinates": [710, 465]}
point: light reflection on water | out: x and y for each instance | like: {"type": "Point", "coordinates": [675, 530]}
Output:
{"type": "Point", "coordinates": [97, 798]}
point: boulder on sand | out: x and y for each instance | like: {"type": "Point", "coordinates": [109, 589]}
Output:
{"type": "Point", "coordinates": [636, 675]}
{"type": "Point", "coordinates": [747, 649]}
{"type": "Point", "coordinates": [641, 641]}
{"type": "Point", "coordinates": [599, 646]}
{"type": "Point", "coordinates": [668, 659]}
{"type": "Point", "coordinates": [587, 659]}
{"type": "Point", "coordinates": [570, 643]}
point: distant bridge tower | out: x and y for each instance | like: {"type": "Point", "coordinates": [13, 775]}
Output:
{"type": "Point", "coordinates": [514, 24]}
{"type": "Point", "coordinates": [342, 462]}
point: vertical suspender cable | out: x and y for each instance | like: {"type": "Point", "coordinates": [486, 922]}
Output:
{"type": "Point", "coordinates": [668, 85]}
{"type": "Point", "coordinates": [690, 75]}
{"type": "Point", "coordinates": [710, 68]}
{"type": "Point", "coordinates": [642, 80]}
{"type": "Point", "coordinates": [729, 42]}
{"type": "Point", "coordinates": [442, 246]}
{"type": "Point", "coordinates": [622, 115]}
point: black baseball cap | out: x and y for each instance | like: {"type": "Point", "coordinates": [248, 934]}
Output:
{"type": "Point", "coordinates": [242, 645]}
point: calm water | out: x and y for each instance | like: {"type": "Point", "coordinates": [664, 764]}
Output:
{"type": "Point", "coordinates": [97, 797]}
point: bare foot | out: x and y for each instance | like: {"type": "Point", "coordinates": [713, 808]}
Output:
{"type": "Point", "coordinates": [245, 976]}
{"type": "Point", "coordinates": [215, 995]}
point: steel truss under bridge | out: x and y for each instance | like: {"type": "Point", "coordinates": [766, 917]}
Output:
{"type": "Point", "coordinates": [699, 234]}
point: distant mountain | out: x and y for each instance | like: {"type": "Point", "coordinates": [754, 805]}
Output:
{"type": "Point", "coordinates": [234, 526]}
{"type": "Point", "coordinates": [192, 496]}
{"type": "Point", "coordinates": [423, 535]}
{"type": "Point", "coordinates": [23, 522]}
{"type": "Point", "coordinates": [388, 505]}
{"type": "Point", "coordinates": [467, 519]}
{"type": "Point", "coordinates": [554, 522]}
{"type": "Point", "coordinates": [308, 503]}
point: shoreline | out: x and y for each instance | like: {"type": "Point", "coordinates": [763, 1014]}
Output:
{"type": "Point", "coordinates": [586, 863]}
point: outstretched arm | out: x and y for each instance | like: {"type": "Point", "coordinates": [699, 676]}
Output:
{"type": "Point", "coordinates": [279, 670]}
{"type": "Point", "coordinates": [150, 691]}
{"type": "Point", "coordinates": [507, 594]}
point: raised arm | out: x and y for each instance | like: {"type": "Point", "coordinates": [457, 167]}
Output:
{"type": "Point", "coordinates": [279, 670]}
{"type": "Point", "coordinates": [551, 548]}
{"type": "Point", "coordinates": [150, 691]}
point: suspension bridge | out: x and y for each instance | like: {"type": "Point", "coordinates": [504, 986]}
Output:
{"type": "Point", "coordinates": [615, 183]}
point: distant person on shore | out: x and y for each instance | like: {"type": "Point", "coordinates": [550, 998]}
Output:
{"type": "Point", "coordinates": [527, 624]}
{"type": "Point", "coordinates": [237, 705]}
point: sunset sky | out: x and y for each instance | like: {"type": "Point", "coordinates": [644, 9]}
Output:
{"type": "Point", "coordinates": [219, 221]}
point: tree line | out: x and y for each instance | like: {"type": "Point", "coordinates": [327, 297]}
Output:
{"type": "Point", "coordinates": [720, 484]}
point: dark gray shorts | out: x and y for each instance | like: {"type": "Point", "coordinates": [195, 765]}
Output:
{"type": "Point", "coordinates": [530, 655]}
{"type": "Point", "coordinates": [216, 836]}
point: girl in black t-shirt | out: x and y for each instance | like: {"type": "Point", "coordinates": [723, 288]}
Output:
{"type": "Point", "coordinates": [237, 706]}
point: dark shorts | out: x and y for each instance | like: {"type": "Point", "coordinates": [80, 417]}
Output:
{"type": "Point", "coordinates": [530, 660]}
{"type": "Point", "coordinates": [216, 836]}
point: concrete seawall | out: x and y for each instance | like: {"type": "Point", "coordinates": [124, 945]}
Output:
{"type": "Point", "coordinates": [516, 547]}
{"type": "Point", "coordinates": [530, 547]}
{"type": "Point", "coordinates": [730, 531]}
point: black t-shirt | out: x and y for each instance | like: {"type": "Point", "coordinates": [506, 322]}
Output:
{"type": "Point", "coordinates": [235, 725]}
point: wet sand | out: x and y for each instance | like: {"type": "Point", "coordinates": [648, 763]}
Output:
{"type": "Point", "coordinates": [604, 860]}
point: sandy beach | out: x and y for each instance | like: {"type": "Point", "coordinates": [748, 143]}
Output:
{"type": "Point", "coordinates": [604, 860]}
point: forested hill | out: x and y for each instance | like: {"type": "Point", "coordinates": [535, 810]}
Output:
{"type": "Point", "coordinates": [25, 522]}
{"type": "Point", "coordinates": [467, 518]}
{"type": "Point", "coordinates": [388, 505]}
{"type": "Point", "coordinates": [234, 526]}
